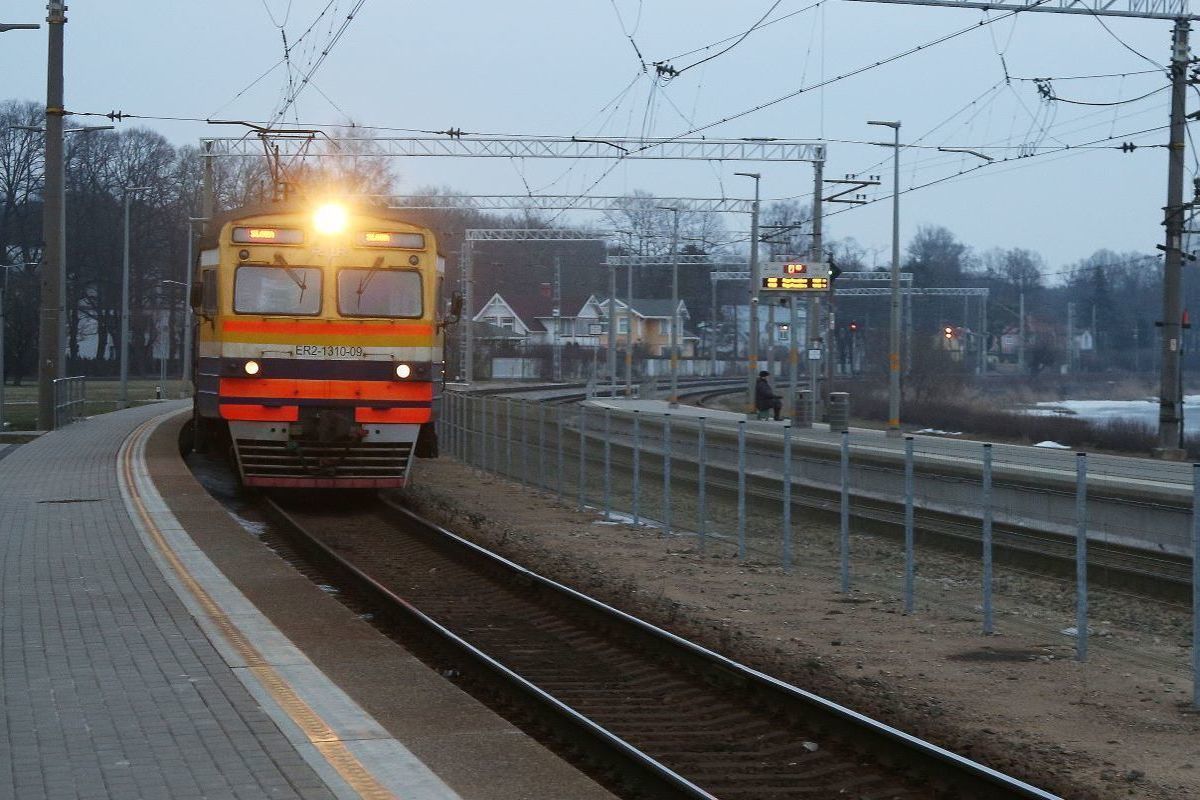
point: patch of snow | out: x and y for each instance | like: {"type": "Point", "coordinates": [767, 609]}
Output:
{"type": "Point", "coordinates": [936, 432]}
{"type": "Point", "coordinates": [1052, 445]}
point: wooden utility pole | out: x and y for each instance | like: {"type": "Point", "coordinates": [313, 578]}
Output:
{"type": "Point", "coordinates": [50, 347]}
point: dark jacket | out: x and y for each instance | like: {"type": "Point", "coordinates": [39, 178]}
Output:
{"type": "Point", "coordinates": [764, 395]}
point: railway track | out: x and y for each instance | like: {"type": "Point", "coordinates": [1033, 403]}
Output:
{"type": "Point", "coordinates": [674, 720]}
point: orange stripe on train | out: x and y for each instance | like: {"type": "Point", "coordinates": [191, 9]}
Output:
{"type": "Point", "coordinates": [285, 388]}
{"type": "Point", "coordinates": [313, 327]}
{"type": "Point", "coordinates": [250, 413]}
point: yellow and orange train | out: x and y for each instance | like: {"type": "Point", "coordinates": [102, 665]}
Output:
{"type": "Point", "coordinates": [319, 344]}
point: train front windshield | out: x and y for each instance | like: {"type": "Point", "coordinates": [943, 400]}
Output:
{"type": "Point", "coordinates": [292, 291]}
{"type": "Point", "coordinates": [379, 293]}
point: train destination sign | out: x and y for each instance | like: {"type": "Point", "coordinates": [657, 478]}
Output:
{"type": "Point", "coordinates": [795, 276]}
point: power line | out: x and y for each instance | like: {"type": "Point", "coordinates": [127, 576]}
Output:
{"type": "Point", "coordinates": [666, 70]}
{"type": "Point", "coordinates": [720, 42]}
{"type": "Point", "coordinates": [1007, 160]}
{"type": "Point", "coordinates": [850, 74]}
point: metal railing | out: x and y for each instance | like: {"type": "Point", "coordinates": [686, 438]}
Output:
{"type": "Point", "coordinates": [806, 499]}
{"type": "Point", "coordinates": [70, 396]}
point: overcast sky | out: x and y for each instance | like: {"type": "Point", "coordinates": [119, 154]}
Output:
{"type": "Point", "coordinates": [562, 68]}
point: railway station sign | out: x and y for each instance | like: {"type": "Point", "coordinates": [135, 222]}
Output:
{"type": "Point", "coordinates": [789, 276]}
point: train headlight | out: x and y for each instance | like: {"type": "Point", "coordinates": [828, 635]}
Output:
{"type": "Point", "coordinates": [330, 218]}
{"type": "Point", "coordinates": [403, 370]}
{"type": "Point", "coordinates": [251, 367]}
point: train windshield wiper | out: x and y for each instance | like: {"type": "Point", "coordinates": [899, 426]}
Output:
{"type": "Point", "coordinates": [297, 278]}
{"type": "Point", "coordinates": [365, 280]}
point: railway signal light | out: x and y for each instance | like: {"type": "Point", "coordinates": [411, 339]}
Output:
{"type": "Point", "coordinates": [853, 326]}
{"type": "Point", "coordinates": [948, 332]}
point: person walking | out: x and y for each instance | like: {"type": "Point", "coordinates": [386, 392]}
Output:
{"type": "Point", "coordinates": [765, 398]}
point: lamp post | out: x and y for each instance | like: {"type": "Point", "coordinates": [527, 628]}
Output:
{"type": "Point", "coordinates": [187, 306]}
{"type": "Point", "coordinates": [128, 193]}
{"type": "Point", "coordinates": [674, 401]}
{"type": "Point", "coordinates": [893, 428]}
{"type": "Point", "coordinates": [752, 343]}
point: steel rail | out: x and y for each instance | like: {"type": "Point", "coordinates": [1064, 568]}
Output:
{"type": "Point", "coordinates": [942, 767]}
{"type": "Point", "coordinates": [637, 767]}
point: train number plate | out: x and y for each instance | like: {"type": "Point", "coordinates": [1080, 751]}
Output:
{"type": "Point", "coordinates": [327, 351]}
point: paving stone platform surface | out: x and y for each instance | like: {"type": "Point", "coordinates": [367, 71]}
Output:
{"type": "Point", "coordinates": [108, 689]}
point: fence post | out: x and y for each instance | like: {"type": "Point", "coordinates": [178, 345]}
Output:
{"type": "Point", "coordinates": [523, 405]}
{"type": "Point", "coordinates": [582, 455]}
{"type": "Point", "coordinates": [508, 437]}
{"type": "Point", "coordinates": [496, 434]}
{"type": "Point", "coordinates": [666, 474]}
{"type": "Point", "coordinates": [456, 441]}
{"type": "Point", "coordinates": [607, 463]}
{"type": "Point", "coordinates": [741, 523]}
{"type": "Point", "coordinates": [908, 525]}
{"type": "Point", "coordinates": [474, 428]}
{"type": "Point", "coordinates": [787, 496]}
{"type": "Point", "coordinates": [701, 467]}
{"type": "Point", "coordinates": [987, 540]}
{"type": "Point", "coordinates": [483, 433]}
{"type": "Point", "coordinates": [1081, 586]}
{"type": "Point", "coordinates": [636, 486]}
{"type": "Point", "coordinates": [541, 407]}
{"type": "Point", "coordinates": [844, 527]}
{"type": "Point", "coordinates": [558, 441]}
{"type": "Point", "coordinates": [1195, 585]}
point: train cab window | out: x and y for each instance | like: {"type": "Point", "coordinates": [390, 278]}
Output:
{"type": "Point", "coordinates": [208, 293]}
{"type": "Point", "coordinates": [379, 293]}
{"type": "Point", "coordinates": [286, 291]}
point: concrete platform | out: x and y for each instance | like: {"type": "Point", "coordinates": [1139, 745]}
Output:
{"type": "Point", "coordinates": [135, 660]}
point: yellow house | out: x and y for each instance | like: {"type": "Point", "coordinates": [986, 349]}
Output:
{"type": "Point", "coordinates": [652, 320]}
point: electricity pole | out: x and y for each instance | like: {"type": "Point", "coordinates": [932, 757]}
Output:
{"type": "Point", "coordinates": [557, 348]}
{"type": "Point", "coordinates": [468, 368]}
{"type": "Point", "coordinates": [893, 426]}
{"type": "Point", "coordinates": [1170, 404]}
{"type": "Point", "coordinates": [752, 344]}
{"type": "Point", "coordinates": [673, 402]}
{"type": "Point", "coordinates": [50, 348]}
{"type": "Point", "coordinates": [814, 316]}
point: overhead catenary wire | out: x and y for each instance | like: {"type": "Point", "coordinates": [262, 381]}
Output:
{"type": "Point", "coordinates": [843, 76]}
{"type": "Point", "coordinates": [671, 72]}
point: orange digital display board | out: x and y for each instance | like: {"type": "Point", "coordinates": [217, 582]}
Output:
{"type": "Point", "coordinates": [268, 236]}
{"type": "Point", "coordinates": [799, 283]}
{"type": "Point", "coordinates": [395, 239]}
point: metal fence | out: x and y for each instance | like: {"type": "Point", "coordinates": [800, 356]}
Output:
{"type": "Point", "coordinates": [856, 509]}
{"type": "Point", "coordinates": [70, 397]}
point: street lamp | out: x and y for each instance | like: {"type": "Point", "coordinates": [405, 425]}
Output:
{"type": "Point", "coordinates": [62, 223]}
{"type": "Point", "coordinates": [754, 282]}
{"type": "Point", "coordinates": [129, 191]}
{"type": "Point", "coordinates": [187, 306]}
{"type": "Point", "coordinates": [18, 26]}
{"type": "Point", "coordinates": [893, 426]}
{"type": "Point", "coordinates": [674, 400]}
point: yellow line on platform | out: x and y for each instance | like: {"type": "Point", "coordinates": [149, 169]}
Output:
{"type": "Point", "coordinates": [322, 737]}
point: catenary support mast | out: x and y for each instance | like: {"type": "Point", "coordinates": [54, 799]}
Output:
{"type": "Point", "coordinates": [1170, 409]}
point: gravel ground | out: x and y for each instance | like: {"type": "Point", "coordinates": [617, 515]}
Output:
{"type": "Point", "coordinates": [1118, 726]}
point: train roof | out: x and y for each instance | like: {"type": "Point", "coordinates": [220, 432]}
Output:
{"type": "Point", "coordinates": [209, 239]}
